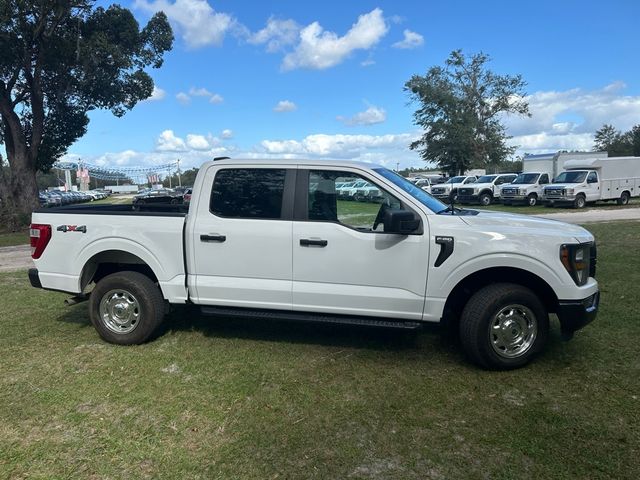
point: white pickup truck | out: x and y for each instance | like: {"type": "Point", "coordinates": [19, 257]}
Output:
{"type": "Point", "coordinates": [270, 239]}
{"type": "Point", "coordinates": [526, 189]}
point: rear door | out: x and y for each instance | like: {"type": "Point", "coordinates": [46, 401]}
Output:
{"type": "Point", "coordinates": [241, 238]}
{"type": "Point", "coordinates": [346, 264]}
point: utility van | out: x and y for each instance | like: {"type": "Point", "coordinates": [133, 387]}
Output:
{"type": "Point", "coordinates": [595, 179]}
{"type": "Point", "coordinates": [448, 190]}
{"type": "Point", "coordinates": [271, 239]}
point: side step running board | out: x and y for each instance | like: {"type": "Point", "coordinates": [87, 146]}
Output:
{"type": "Point", "coordinates": [231, 312]}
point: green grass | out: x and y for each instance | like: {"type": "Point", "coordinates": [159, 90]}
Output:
{"type": "Point", "coordinates": [14, 238]}
{"type": "Point", "coordinates": [633, 203]}
{"type": "Point", "coordinates": [240, 399]}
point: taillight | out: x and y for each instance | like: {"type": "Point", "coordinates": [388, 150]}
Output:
{"type": "Point", "coordinates": [39, 236]}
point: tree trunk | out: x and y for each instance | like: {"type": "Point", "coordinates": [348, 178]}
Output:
{"type": "Point", "coordinates": [19, 191]}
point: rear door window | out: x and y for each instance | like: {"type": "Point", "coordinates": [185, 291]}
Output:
{"type": "Point", "coordinates": [248, 193]}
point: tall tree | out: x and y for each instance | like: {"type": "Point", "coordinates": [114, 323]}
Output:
{"type": "Point", "coordinates": [611, 140]}
{"type": "Point", "coordinates": [59, 59]}
{"type": "Point", "coordinates": [461, 106]}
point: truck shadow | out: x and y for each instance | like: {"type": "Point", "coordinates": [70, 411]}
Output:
{"type": "Point", "coordinates": [428, 340]}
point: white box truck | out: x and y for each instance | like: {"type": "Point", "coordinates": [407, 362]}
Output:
{"type": "Point", "coordinates": [594, 179]}
{"type": "Point", "coordinates": [537, 172]}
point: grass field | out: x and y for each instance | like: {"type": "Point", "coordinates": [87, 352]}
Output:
{"type": "Point", "coordinates": [240, 399]}
{"type": "Point", "coordinates": [14, 238]}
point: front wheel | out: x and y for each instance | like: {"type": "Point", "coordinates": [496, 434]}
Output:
{"type": "Point", "coordinates": [532, 199]}
{"type": "Point", "coordinates": [503, 326]}
{"type": "Point", "coordinates": [580, 201]}
{"type": "Point", "coordinates": [485, 199]}
{"type": "Point", "coordinates": [126, 308]}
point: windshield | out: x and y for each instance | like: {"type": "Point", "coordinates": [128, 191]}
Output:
{"type": "Point", "coordinates": [360, 184]}
{"type": "Point", "coordinates": [455, 180]}
{"type": "Point", "coordinates": [486, 179]}
{"type": "Point", "coordinates": [526, 178]}
{"type": "Point", "coordinates": [570, 177]}
{"type": "Point", "coordinates": [416, 192]}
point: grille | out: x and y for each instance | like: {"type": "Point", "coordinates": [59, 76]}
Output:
{"type": "Point", "coordinates": [465, 191]}
{"type": "Point", "coordinates": [593, 259]}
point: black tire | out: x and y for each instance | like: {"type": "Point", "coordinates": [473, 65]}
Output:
{"type": "Point", "coordinates": [144, 314]}
{"type": "Point", "coordinates": [485, 199]}
{"type": "Point", "coordinates": [482, 311]}
{"type": "Point", "coordinates": [624, 199]}
{"type": "Point", "coordinates": [580, 201]}
{"type": "Point", "coordinates": [532, 200]}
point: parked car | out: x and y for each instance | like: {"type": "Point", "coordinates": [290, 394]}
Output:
{"type": "Point", "coordinates": [424, 184]}
{"type": "Point", "coordinates": [186, 198]}
{"type": "Point", "coordinates": [258, 243]}
{"type": "Point", "coordinates": [486, 189]}
{"type": "Point", "coordinates": [161, 195]}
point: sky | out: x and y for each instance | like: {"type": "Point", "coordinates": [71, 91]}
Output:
{"type": "Point", "coordinates": [325, 79]}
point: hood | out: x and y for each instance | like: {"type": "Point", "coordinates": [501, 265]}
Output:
{"type": "Point", "coordinates": [477, 185]}
{"type": "Point", "coordinates": [510, 221]}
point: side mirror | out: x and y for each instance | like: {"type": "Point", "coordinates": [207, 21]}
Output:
{"type": "Point", "coordinates": [402, 222]}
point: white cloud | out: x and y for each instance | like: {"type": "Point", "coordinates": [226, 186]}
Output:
{"type": "Point", "coordinates": [199, 92]}
{"type": "Point", "coordinates": [276, 34]}
{"type": "Point", "coordinates": [197, 142]}
{"type": "Point", "coordinates": [168, 142]}
{"type": "Point", "coordinates": [410, 40]}
{"type": "Point", "coordinates": [195, 20]}
{"type": "Point", "coordinates": [368, 62]}
{"type": "Point", "coordinates": [183, 98]}
{"type": "Point", "coordinates": [216, 99]}
{"type": "Point", "coordinates": [285, 106]}
{"type": "Point", "coordinates": [320, 49]}
{"type": "Point", "coordinates": [156, 95]}
{"type": "Point", "coordinates": [370, 116]}
{"type": "Point", "coordinates": [226, 134]}
{"type": "Point", "coordinates": [568, 119]}
{"type": "Point", "coordinates": [339, 145]}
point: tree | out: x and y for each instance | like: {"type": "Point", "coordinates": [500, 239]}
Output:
{"type": "Point", "coordinates": [461, 108]}
{"type": "Point", "coordinates": [611, 140]}
{"type": "Point", "coordinates": [60, 59]}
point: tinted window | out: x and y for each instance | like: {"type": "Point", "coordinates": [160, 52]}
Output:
{"type": "Point", "coordinates": [544, 179]}
{"type": "Point", "coordinates": [592, 178]}
{"type": "Point", "coordinates": [248, 193]}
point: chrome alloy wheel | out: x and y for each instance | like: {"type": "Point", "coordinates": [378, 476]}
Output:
{"type": "Point", "coordinates": [120, 311]}
{"type": "Point", "coordinates": [513, 331]}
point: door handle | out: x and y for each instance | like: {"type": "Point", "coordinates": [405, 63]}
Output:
{"type": "Point", "coordinates": [213, 238]}
{"type": "Point", "coordinates": [308, 242]}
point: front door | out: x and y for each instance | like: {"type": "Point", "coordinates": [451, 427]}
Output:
{"type": "Point", "coordinates": [593, 187]}
{"type": "Point", "coordinates": [343, 261]}
{"type": "Point", "coordinates": [241, 241]}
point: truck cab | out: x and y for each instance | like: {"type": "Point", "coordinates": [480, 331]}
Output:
{"type": "Point", "coordinates": [485, 189]}
{"type": "Point", "coordinates": [525, 189]}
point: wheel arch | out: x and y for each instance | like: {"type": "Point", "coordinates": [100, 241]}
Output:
{"type": "Point", "coordinates": [466, 287]}
{"type": "Point", "coordinates": [111, 261]}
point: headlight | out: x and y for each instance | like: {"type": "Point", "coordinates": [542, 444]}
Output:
{"type": "Point", "coordinates": [475, 190]}
{"type": "Point", "coordinates": [576, 260]}
{"type": "Point", "coordinates": [569, 191]}
{"type": "Point", "coordinates": [522, 192]}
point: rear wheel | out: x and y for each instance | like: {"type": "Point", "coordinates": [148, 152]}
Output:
{"type": "Point", "coordinates": [126, 308]}
{"type": "Point", "coordinates": [503, 326]}
{"type": "Point", "coordinates": [532, 199]}
{"type": "Point", "coordinates": [624, 199]}
{"type": "Point", "coordinates": [580, 201]}
{"type": "Point", "coordinates": [485, 199]}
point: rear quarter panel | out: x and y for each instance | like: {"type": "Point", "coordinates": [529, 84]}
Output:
{"type": "Point", "coordinates": [156, 240]}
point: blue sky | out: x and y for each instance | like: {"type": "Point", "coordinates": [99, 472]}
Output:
{"type": "Point", "coordinates": [325, 79]}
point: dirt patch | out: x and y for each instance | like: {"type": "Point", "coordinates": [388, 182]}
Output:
{"type": "Point", "coordinates": [15, 258]}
